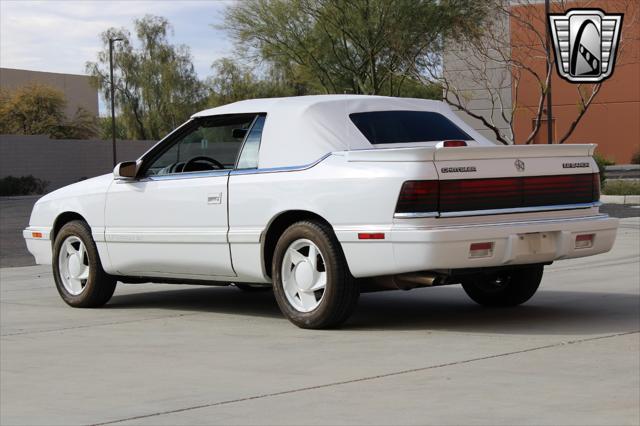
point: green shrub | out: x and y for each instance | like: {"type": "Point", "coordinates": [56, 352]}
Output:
{"type": "Point", "coordinates": [635, 159]}
{"type": "Point", "coordinates": [23, 185]}
{"type": "Point", "coordinates": [602, 164]}
{"type": "Point", "coordinates": [621, 187]}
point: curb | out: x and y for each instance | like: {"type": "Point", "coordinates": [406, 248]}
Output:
{"type": "Point", "coordinates": [620, 199]}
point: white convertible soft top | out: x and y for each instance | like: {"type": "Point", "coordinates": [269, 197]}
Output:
{"type": "Point", "coordinates": [300, 130]}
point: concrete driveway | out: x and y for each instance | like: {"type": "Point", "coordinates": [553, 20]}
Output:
{"type": "Point", "coordinates": [169, 354]}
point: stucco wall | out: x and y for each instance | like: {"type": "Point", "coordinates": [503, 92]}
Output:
{"type": "Point", "coordinates": [76, 88]}
{"type": "Point", "coordinates": [60, 161]}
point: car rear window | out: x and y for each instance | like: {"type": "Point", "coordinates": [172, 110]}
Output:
{"type": "Point", "coordinates": [382, 127]}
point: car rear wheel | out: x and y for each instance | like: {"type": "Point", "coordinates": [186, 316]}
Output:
{"type": "Point", "coordinates": [77, 271]}
{"type": "Point", "coordinates": [508, 288]}
{"type": "Point", "coordinates": [312, 282]}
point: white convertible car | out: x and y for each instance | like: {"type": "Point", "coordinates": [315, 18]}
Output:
{"type": "Point", "coordinates": [322, 197]}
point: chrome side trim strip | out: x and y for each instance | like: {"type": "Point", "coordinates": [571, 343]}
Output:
{"type": "Point", "coordinates": [520, 210]}
{"type": "Point", "coordinates": [188, 175]}
{"type": "Point", "coordinates": [602, 217]}
{"type": "Point", "coordinates": [498, 211]}
{"type": "Point", "coordinates": [280, 169]}
{"type": "Point", "coordinates": [415, 215]}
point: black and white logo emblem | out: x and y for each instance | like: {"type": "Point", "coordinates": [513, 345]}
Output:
{"type": "Point", "coordinates": [519, 165]}
{"type": "Point", "coordinates": [585, 42]}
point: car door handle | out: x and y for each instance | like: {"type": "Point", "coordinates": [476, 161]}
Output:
{"type": "Point", "coordinates": [214, 198]}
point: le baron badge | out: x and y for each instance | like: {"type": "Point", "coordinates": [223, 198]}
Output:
{"type": "Point", "coordinates": [586, 43]}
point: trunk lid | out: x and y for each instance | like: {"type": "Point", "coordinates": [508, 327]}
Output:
{"type": "Point", "coordinates": [478, 180]}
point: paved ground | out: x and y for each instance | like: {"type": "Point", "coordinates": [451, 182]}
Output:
{"type": "Point", "coordinates": [168, 354]}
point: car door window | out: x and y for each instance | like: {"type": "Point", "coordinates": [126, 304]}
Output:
{"type": "Point", "coordinates": [248, 158]}
{"type": "Point", "coordinates": [209, 143]}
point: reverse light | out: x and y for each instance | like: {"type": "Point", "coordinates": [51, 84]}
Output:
{"type": "Point", "coordinates": [371, 236]}
{"type": "Point", "coordinates": [481, 250]}
{"type": "Point", "coordinates": [584, 241]}
{"type": "Point", "coordinates": [452, 144]}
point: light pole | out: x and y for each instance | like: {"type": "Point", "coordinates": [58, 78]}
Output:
{"type": "Point", "coordinates": [549, 102]}
{"type": "Point", "coordinates": [113, 108]}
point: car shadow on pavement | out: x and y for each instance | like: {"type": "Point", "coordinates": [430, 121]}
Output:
{"type": "Point", "coordinates": [547, 313]}
{"type": "Point", "coordinates": [439, 309]}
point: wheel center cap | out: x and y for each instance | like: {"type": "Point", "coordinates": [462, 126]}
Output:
{"type": "Point", "coordinates": [304, 275]}
{"type": "Point", "coordinates": [74, 265]}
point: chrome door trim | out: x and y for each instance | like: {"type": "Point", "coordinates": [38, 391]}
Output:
{"type": "Point", "coordinates": [415, 215]}
{"type": "Point", "coordinates": [187, 175]}
{"type": "Point", "coordinates": [280, 169]}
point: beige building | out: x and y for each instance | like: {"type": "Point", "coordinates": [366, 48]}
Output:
{"type": "Point", "coordinates": [76, 88]}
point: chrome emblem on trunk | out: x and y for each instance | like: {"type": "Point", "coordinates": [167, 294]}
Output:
{"type": "Point", "coordinates": [519, 165]}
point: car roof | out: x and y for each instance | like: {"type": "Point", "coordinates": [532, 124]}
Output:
{"type": "Point", "coordinates": [267, 105]}
{"type": "Point", "coordinates": [300, 130]}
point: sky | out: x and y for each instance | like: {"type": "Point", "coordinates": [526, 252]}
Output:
{"type": "Point", "coordinates": [61, 36]}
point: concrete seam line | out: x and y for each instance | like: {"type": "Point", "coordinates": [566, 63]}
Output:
{"type": "Point", "coordinates": [362, 379]}
{"type": "Point", "coordinates": [23, 333]}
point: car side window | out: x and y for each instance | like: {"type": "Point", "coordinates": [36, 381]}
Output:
{"type": "Point", "coordinates": [248, 158]}
{"type": "Point", "coordinates": [209, 143]}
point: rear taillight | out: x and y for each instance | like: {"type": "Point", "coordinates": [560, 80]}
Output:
{"type": "Point", "coordinates": [479, 194]}
{"type": "Point", "coordinates": [559, 189]}
{"type": "Point", "coordinates": [470, 195]}
{"type": "Point", "coordinates": [452, 144]}
{"type": "Point", "coordinates": [418, 196]}
{"type": "Point", "coordinates": [596, 186]}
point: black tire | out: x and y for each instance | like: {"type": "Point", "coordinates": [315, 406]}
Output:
{"type": "Point", "coordinates": [341, 293]}
{"type": "Point", "coordinates": [508, 288]}
{"type": "Point", "coordinates": [99, 286]}
{"type": "Point", "coordinates": [249, 288]}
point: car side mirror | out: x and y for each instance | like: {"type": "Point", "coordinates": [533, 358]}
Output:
{"type": "Point", "coordinates": [127, 170]}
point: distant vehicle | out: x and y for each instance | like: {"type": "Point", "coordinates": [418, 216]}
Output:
{"type": "Point", "coordinates": [322, 197]}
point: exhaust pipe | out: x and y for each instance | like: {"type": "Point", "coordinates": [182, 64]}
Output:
{"type": "Point", "coordinates": [406, 281]}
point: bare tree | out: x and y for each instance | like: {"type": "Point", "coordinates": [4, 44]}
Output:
{"type": "Point", "coordinates": [492, 68]}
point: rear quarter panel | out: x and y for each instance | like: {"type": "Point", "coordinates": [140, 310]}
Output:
{"type": "Point", "coordinates": [352, 196]}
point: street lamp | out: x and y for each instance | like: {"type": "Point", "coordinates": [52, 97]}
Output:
{"type": "Point", "coordinates": [113, 108]}
{"type": "Point", "coordinates": [549, 64]}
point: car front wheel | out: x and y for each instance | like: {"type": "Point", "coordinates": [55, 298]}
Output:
{"type": "Point", "coordinates": [77, 271]}
{"type": "Point", "coordinates": [506, 288]}
{"type": "Point", "coordinates": [312, 282]}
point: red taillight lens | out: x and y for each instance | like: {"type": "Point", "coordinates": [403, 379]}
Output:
{"type": "Point", "coordinates": [497, 193]}
{"type": "Point", "coordinates": [596, 186]}
{"type": "Point", "coordinates": [479, 194]}
{"type": "Point", "coordinates": [418, 196]}
{"type": "Point", "coordinates": [451, 144]}
{"type": "Point", "coordinates": [563, 189]}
